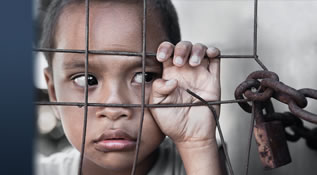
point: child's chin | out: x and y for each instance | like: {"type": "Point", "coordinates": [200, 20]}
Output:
{"type": "Point", "coordinates": [116, 161]}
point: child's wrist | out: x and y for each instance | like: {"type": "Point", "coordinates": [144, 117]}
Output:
{"type": "Point", "coordinates": [200, 157]}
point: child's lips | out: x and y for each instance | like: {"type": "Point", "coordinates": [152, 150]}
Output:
{"type": "Point", "coordinates": [115, 140]}
{"type": "Point", "coordinates": [115, 145]}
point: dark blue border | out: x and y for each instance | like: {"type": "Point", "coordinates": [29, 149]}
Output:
{"type": "Point", "coordinates": [16, 88]}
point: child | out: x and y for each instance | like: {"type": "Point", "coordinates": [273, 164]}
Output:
{"type": "Point", "coordinates": [112, 132]}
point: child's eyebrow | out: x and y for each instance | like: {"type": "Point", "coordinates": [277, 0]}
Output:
{"type": "Point", "coordinates": [74, 64]}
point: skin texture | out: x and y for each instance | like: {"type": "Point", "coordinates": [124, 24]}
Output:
{"type": "Point", "coordinates": [117, 26]}
{"type": "Point", "coordinates": [194, 135]}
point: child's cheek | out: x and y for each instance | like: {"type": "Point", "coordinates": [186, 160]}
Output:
{"type": "Point", "coordinates": [72, 121]}
{"type": "Point", "coordinates": [136, 93]}
{"type": "Point", "coordinates": [151, 134]}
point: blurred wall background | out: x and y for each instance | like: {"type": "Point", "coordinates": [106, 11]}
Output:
{"type": "Point", "coordinates": [287, 45]}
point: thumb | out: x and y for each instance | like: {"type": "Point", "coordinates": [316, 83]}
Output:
{"type": "Point", "coordinates": [161, 89]}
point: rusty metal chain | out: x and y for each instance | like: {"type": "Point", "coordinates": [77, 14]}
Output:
{"type": "Point", "coordinates": [261, 86]}
{"type": "Point", "coordinates": [266, 84]}
{"type": "Point", "coordinates": [297, 127]}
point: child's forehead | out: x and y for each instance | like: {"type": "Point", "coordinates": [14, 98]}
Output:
{"type": "Point", "coordinates": [108, 22]}
{"type": "Point", "coordinates": [112, 26]}
{"type": "Point", "coordinates": [102, 12]}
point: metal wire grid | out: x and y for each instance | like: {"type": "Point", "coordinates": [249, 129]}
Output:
{"type": "Point", "coordinates": [144, 54]}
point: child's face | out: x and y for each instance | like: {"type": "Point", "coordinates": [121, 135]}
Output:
{"type": "Point", "coordinates": [112, 79]}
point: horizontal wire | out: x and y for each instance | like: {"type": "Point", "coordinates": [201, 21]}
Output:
{"type": "Point", "coordinates": [98, 52]}
{"type": "Point", "coordinates": [120, 53]}
{"type": "Point", "coordinates": [79, 104]}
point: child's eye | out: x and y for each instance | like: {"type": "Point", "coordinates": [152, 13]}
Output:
{"type": "Point", "coordinates": [80, 80]}
{"type": "Point", "coordinates": [148, 76]}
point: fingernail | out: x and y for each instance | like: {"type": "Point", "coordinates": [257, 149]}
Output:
{"type": "Point", "coordinates": [212, 50]}
{"type": "Point", "coordinates": [170, 82]}
{"type": "Point", "coordinates": [194, 59]}
{"type": "Point", "coordinates": [179, 60]}
{"type": "Point", "coordinates": [161, 56]}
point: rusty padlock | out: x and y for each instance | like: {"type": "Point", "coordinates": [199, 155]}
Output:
{"type": "Point", "coordinates": [270, 138]}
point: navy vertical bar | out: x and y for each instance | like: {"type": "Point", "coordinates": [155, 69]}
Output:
{"type": "Point", "coordinates": [16, 85]}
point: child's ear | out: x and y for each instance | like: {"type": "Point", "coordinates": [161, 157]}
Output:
{"type": "Point", "coordinates": [50, 84]}
{"type": "Point", "coordinates": [51, 89]}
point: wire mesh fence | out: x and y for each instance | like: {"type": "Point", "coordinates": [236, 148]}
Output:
{"type": "Point", "coordinates": [143, 54]}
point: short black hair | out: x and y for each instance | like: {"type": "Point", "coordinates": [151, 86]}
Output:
{"type": "Point", "coordinates": [165, 8]}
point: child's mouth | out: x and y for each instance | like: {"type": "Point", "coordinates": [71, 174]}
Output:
{"type": "Point", "coordinates": [115, 140]}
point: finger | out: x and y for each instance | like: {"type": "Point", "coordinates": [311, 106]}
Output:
{"type": "Point", "coordinates": [213, 52]}
{"type": "Point", "coordinates": [161, 88]}
{"type": "Point", "coordinates": [197, 54]}
{"type": "Point", "coordinates": [164, 51]}
{"type": "Point", "coordinates": [214, 63]}
{"type": "Point", "coordinates": [181, 53]}
{"type": "Point", "coordinates": [214, 67]}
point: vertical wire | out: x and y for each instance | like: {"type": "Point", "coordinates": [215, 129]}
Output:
{"type": "Point", "coordinates": [82, 152]}
{"type": "Point", "coordinates": [255, 36]}
{"type": "Point", "coordinates": [255, 28]}
{"type": "Point", "coordinates": [212, 109]}
{"type": "Point", "coordinates": [255, 42]}
{"type": "Point", "coordinates": [255, 54]}
{"type": "Point", "coordinates": [250, 140]}
{"type": "Point", "coordinates": [173, 158]}
{"type": "Point", "coordinates": [143, 87]}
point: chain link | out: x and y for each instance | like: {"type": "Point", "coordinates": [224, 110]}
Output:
{"type": "Point", "coordinates": [267, 85]}
{"type": "Point", "coordinates": [261, 86]}
{"type": "Point", "coordinates": [296, 125]}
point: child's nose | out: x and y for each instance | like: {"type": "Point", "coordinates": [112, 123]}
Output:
{"type": "Point", "coordinates": [113, 96]}
{"type": "Point", "coordinates": [114, 113]}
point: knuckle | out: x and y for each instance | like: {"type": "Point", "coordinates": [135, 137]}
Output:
{"type": "Point", "coordinates": [199, 50]}
{"type": "Point", "coordinates": [183, 46]}
{"type": "Point", "coordinates": [156, 84]}
{"type": "Point", "coordinates": [200, 46]}
{"type": "Point", "coordinates": [166, 44]}
{"type": "Point", "coordinates": [213, 51]}
{"type": "Point", "coordinates": [186, 42]}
